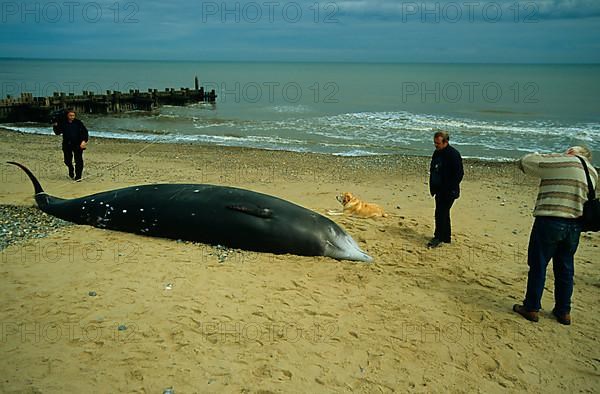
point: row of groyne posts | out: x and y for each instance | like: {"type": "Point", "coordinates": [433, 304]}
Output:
{"type": "Point", "coordinates": [27, 108]}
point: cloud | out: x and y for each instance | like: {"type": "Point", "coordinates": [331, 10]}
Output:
{"type": "Point", "coordinates": [568, 9]}
{"type": "Point", "coordinates": [305, 30]}
{"type": "Point", "coordinates": [470, 10]}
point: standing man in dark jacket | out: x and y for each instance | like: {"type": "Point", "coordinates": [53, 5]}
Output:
{"type": "Point", "coordinates": [75, 138]}
{"type": "Point", "coordinates": [446, 173]}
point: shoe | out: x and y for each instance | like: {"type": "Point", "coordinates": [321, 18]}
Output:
{"type": "Point", "coordinates": [71, 173]}
{"type": "Point", "coordinates": [562, 319]}
{"type": "Point", "coordinates": [434, 243]}
{"type": "Point", "coordinates": [529, 315]}
{"type": "Point", "coordinates": [77, 178]}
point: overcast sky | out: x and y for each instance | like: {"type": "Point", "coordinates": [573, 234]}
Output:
{"type": "Point", "coordinates": [543, 31]}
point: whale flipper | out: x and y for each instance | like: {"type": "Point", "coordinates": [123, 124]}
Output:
{"type": "Point", "coordinates": [252, 210]}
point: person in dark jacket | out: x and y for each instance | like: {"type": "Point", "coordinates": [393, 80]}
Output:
{"type": "Point", "coordinates": [75, 138]}
{"type": "Point", "coordinates": [446, 173]}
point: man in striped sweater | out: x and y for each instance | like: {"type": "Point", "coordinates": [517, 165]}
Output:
{"type": "Point", "coordinates": [556, 229]}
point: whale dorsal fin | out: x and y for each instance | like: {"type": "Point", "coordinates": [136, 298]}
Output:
{"type": "Point", "coordinates": [252, 210]}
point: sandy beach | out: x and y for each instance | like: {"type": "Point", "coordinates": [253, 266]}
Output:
{"type": "Point", "coordinates": [91, 310]}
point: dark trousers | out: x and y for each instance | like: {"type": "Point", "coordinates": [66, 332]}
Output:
{"type": "Point", "coordinates": [556, 239]}
{"type": "Point", "coordinates": [70, 151]}
{"type": "Point", "coordinates": [442, 217]}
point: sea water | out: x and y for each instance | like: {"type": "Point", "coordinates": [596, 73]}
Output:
{"type": "Point", "coordinates": [492, 111]}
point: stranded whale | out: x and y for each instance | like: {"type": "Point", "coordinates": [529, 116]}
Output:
{"type": "Point", "coordinates": [216, 215]}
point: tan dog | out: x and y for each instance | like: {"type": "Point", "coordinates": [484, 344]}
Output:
{"type": "Point", "coordinates": [354, 206]}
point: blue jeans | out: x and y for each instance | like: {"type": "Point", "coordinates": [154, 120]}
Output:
{"type": "Point", "coordinates": [557, 239]}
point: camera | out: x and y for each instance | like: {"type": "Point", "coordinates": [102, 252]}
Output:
{"type": "Point", "coordinates": [58, 116]}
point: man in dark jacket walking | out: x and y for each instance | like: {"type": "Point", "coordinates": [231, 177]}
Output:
{"type": "Point", "coordinates": [75, 138]}
{"type": "Point", "coordinates": [446, 173]}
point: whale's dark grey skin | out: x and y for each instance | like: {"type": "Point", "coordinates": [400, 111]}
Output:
{"type": "Point", "coordinates": [216, 215]}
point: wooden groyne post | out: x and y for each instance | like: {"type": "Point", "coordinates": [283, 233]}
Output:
{"type": "Point", "coordinates": [27, 108]}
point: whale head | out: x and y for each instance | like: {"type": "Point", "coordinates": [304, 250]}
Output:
{"type": "Point", "coordinates": [342, 246]}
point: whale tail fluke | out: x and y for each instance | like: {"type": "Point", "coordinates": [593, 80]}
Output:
{"type": "Point", "coordinates": [36, 183]}
{"type": "Point", "coordinates": [44, 201]}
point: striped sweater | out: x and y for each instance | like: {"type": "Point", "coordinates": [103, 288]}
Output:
{"type": "Point", "coordinates": [563, 186]}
